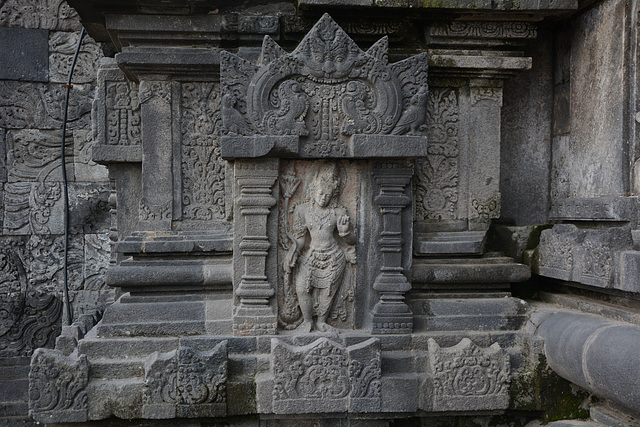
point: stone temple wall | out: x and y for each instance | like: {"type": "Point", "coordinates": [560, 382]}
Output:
{"type": "Point", "coordinates": [37, 44]}
{"type": "Point", "coordinates": [552, 95]}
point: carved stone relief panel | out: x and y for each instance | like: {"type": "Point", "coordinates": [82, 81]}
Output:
{"type": "Point", "coordinates": [31, 312]}
{"type": "Point", "coordinates": [62, 47]}
{"type": "Point", "coordinates": [469, 376]}
{"type": "Point", "coordinates": [202, 169]}
{"type": "Point", "coordinates": [39, 106]}
{"type": "Point", "coordinates": [317, 235]}
{"type": "Point", "coordinates": [324, 92]}
{"type": "Point", "coordinates": [325, 376]}
{"type": "Point", "coordinates": [437, 177]}
{"type": "Point", "coordinates": [44, 14]}
{"type": "Point", "coordinates": [186, 383]}
{"type": "Point", "coordinates": [57, 387]}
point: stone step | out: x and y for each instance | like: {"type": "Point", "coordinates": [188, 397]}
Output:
{"type": "Point", "coordinates": [14, 409]}
{"type": "Point", "coordinates": [13, 372]}
{"type": "Point", "coordinates": [13, 390]}
{"type": "Point", "coordinates": [116, 369]}
{"type": "Point", "coordinates": [124, 348]}
{"type": "Point", "coordinates": [17, 421]}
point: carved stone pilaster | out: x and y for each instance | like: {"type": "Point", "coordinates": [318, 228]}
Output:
{"type": "Point", "coordinates": [254, 313]}
{"type": "Point", "coordinates": [391, 314]}
{"type": "Point", "coordinates": [156, 204]}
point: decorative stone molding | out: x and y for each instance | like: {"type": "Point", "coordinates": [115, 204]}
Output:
{"type": "Point", "coordinates": [254, 314]}
{"type": "Point", "coordinates": [391, 314]}
{"type": "Point", "coordinates": [327, 93]}
{"type": "Point", "coordinates": [468, 377]}
{"type": "Point", "coordinates": [57, 387]}
{"type": "Point", "coordinates": [186, 383]}
{"type": "Point", "coordinates": [324, 376]}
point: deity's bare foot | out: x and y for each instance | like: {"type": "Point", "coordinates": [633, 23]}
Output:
{"type": "Point", "coordinates": [304, 327]}
{"type": "Point", "coordinates": [323, 327]}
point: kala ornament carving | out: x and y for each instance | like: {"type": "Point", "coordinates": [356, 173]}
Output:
{"type": "Point", "coordinates": [321, 270]}
{"type": "Point", "coordinates": [324, 92]}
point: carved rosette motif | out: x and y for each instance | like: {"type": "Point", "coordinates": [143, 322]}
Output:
{"type": "Point", "coordinates": [469, 376]}
{"type": "Point", "coordinates": [485, 210]}
{"type": "Point", "coordinates": [57, 387]}
{"type": "Point", "coordinates": [324, 92]}
{"type": "Point", "coordinates": [325, 377]}
{"type": "Point", "coordinates": [203, 170]}
{"type": "Point", "coordinates": [437, 176]}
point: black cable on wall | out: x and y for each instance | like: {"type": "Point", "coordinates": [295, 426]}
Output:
{"type": "Point", "coordinates": [65, 184]}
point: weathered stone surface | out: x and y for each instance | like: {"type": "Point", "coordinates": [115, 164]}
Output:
{"type": "Point", "coordinates": [593, 352]}
{"type": "Point", "coordinates": [324, 376]}
{"type": "Point", "coordinates": [44, 14]}
{"type": "Point", "coordinates": [470, 377]}
{"type": "Point", "coordinates": [62, 47]}
{"type": "Point", "coordinates": [39, 106]}
{"type": "Point", "coordinates": [526, 139]}
{"type": "Point", "coordinates": [618, 209]}
{"type": "Point", "coordinates": [24, 54]}
{"type": "Point", "coordinates": [57, 387]}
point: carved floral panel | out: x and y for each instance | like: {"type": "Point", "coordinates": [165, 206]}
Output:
{"type": "Point", "coordinates": [202, 168]}
{"type": "Point", "coordinates": [437, 176]}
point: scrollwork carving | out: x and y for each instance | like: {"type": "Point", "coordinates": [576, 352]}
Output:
{"type": "Point", "coordinates": [57, 386]}
{"type": "Point", "coordinates": [469, 376]}
{"type": "Point", "coordinates": [123, 113]}
{"type": "Point", "coordinates": [325, 91]}
{"type": "Point", "coordinates": [203, 170]}
{"type": "Point", "coordinates": [436, 183]}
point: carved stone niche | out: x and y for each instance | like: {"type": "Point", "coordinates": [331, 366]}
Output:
{"type": "Point", "coordinates": [341, 124]}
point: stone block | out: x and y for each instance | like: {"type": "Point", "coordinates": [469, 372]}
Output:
{"type": "Point", "coordinates": [399, 393]}
{"type": "Point", "coordinates": [50, 15]}
{"type": "Point", "coordinates": [115, 398]}
{"type": "Point", "coordinates": [525, 145]}
{"type": "Point", "coordinates": [84, 167]}
{"type": "Point", "coordinates": [39, 106]}
{"type": "Point", "coordinates": [62, 48]}
{"type": "Point", "coordinates": [25, 54]}
{"type": "Point", "coordinates": [58, 387]}
{"type": "Point", "coordinates": [597, 209]}
{"type": "Point", "coordinates": [450, 243]}
{"type": "Point", "coordinates": [556, 252]}
{"type": "Point", "coordinates": [324, 377]}
{"type": "Point", "coordinates": [467, 377]}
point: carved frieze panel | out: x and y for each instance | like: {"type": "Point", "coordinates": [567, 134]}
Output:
{"type": "Point", "coordinates": [159, 394]}
{"type": "Point", "coordinates": [317, 233]}
{"type": "Point", "coordinates": [57, 387]}
{"type": "Point", "coordinates": [486, 29]}
{"type": "Point", "coordinates": [33, 208]}
{"type": "Point", "coordinates": [84, 168]}
{"type": "Point", "coordinates": [437, 176]}
{"type": "Point", "coordinates": [325, 376]}
{"type": "Point", "coordinates": [34, 155]}
{"type": "Point", "coordinates": [202, 168]}
{"type": "Point", "coordinates": [186, 383]}
{"type": "Point", "coordinates": [62, 47]}
{"type": "Point", "coordinates": [324, 92]}
{"type": "Point", "coordinates": [39, 106]}
{"type": "Point", "coordinates": [468, 377]}
{"type": "Point", "coordinates": [30, 316]}
{"type": "Point", "coordinates": [44, 14]}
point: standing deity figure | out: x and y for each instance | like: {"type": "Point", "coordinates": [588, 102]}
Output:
{"type": "Point", "coordinates": [321, 264]}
